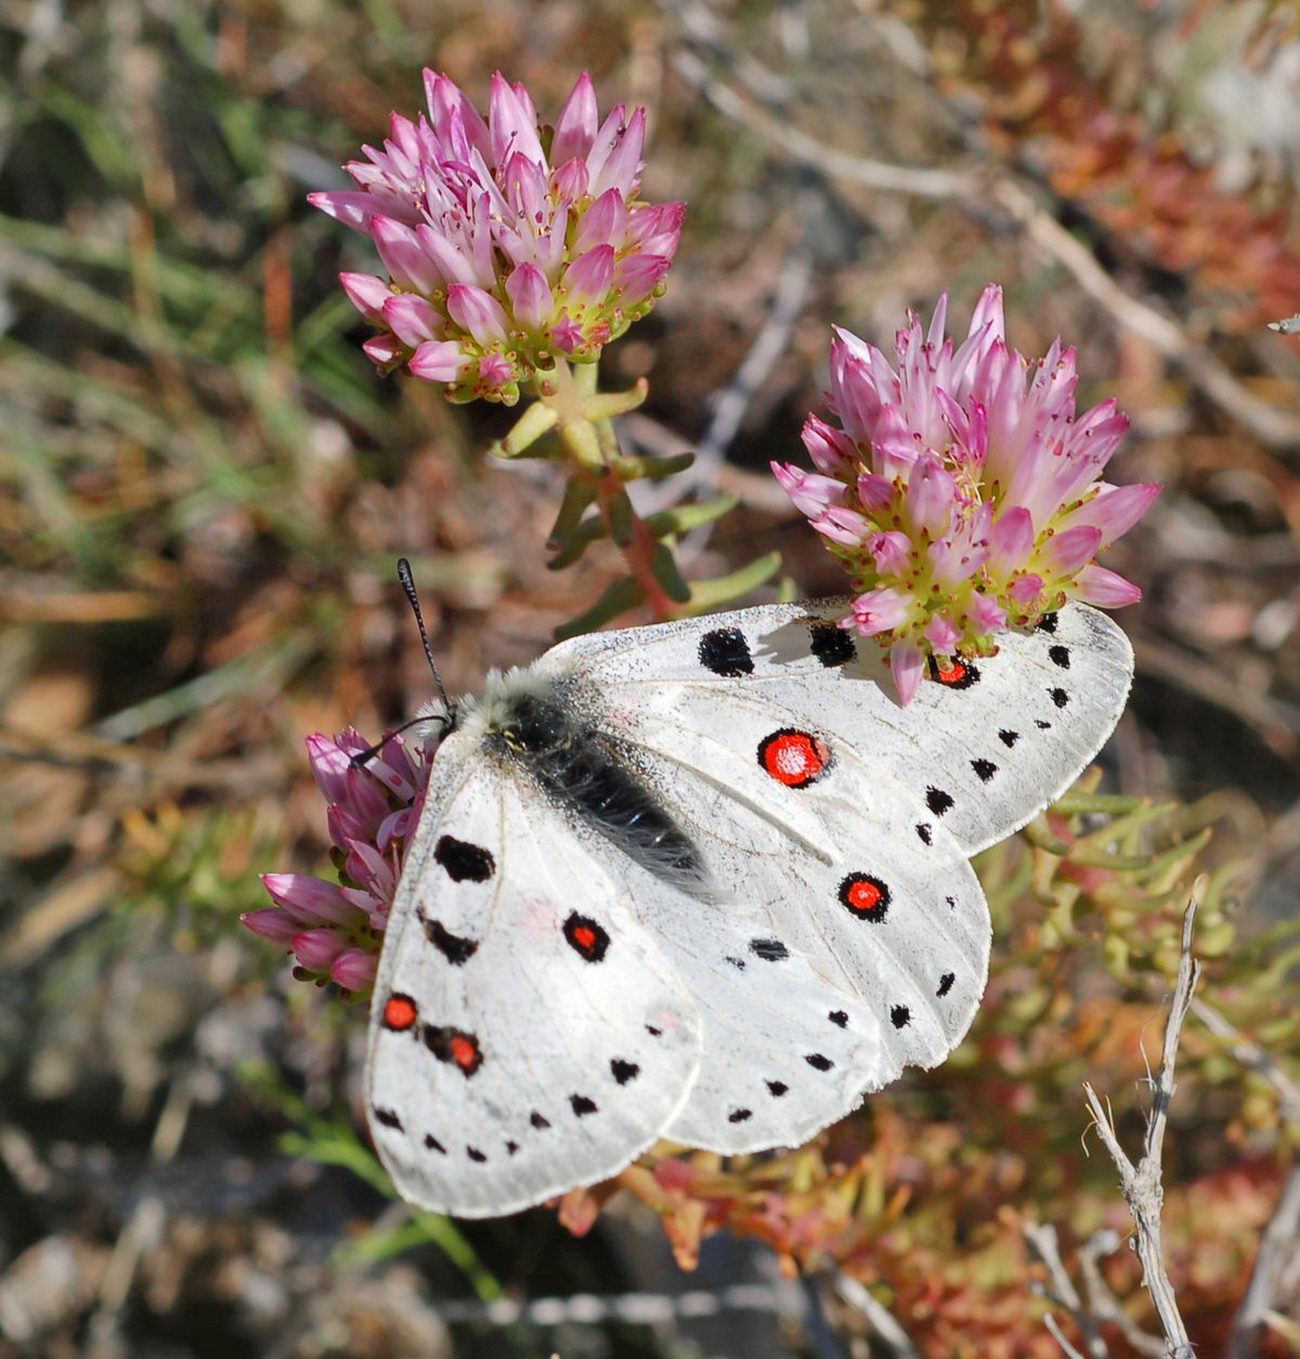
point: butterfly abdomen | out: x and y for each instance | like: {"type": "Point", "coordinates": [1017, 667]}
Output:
{"type": "Point", "coordinates": [536, 730]}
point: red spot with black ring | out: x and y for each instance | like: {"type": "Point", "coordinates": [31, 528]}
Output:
{"type": "Point", "coordinates": [794, 758]}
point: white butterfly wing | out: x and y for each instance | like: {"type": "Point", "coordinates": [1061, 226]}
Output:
{"type": "Point", "coordinates": [527, 1033]}
{"type": "Point", "coordinates": [981, 754]}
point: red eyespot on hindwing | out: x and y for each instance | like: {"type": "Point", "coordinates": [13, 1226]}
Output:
{"type": "Point", "coordinates": [794, 758]}
{"type": "Point", "coordinates": [954, 673]}
{"type": "Point", "coordinates": [400, 1013]}
{"type": "Point", "coordinates": [866, 897]}
{"type": "Point", "coordinates": [586, 938]}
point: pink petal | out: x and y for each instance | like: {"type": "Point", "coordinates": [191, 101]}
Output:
{"type": "Point", "coordinates": [273, 924]}
{"type": "Point", "coordinates": [478, 313]}
{"type": "Point", "coordinates": [317, 949]}
{"type": "Point", "coordinates": [810, 492]}
{"type": "Point", "coordinates": [590, 276]}
{"type": "Point", "coordinates": [881, 610]}
{"type": "Point", "coordinates": [412, 319]}
{"type": "Point", "coordinates": [406, 260]}
{"type": "Point", "coordinates": [875, 493]}
{"type": "Point", "coordinates": [384, 349]}
{"type": "Point", "coordinates": [1068, 551]}
{"type": "Point", "coordinates": [942, 634]}
{"type": "Point", "coordinates": [931, 494]}
{"type": "Point", "coordinates": [829, 448]}
{"type": "Point", "coordinates": [530, 296]}
{"type": "Point", "coordinates": [355, 969]}
{"type": "Point", "coordinates": [1114, 509]}
{"type": "Point", "coordinates": [637, 276]}
{"type": "Point", "coordinates": [656, 229]}
{"type": "Point", "coordinates": [1011, 540]}
{"type": "Point", "coordinates": [351, 208]}
{"type": "Point", "coordinates": [512, 122]}
{"type": "Point", "coordinates": [439, 361]}
{"type": "Point", "coordinates": [312, 901]}
{"type": "Point", "coordinates": [604, 223]}
{"type": "Point", "coordinates": [842, 525]}
{"type": "Point", "coordinates": [575, 128]}
{"type": "Point", "coordinates": [906, 665]}
{"type": "Point", "coordinates": [367, 294]}
{"type": "Point", "coordinates": [1107, 589]}
{"type": "Point", "coordinates": [987, 614]}
{"type": "Point", "coordinates": [331, 766]}
{"type": "Point", "coordinates": [891, 551]}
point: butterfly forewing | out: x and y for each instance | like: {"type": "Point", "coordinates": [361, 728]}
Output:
{"type": "Point", "coordinates": [527, 1033]}
{"type": "Point", "coordinates": [985, 745]}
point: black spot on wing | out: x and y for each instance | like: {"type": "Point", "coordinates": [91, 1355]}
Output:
{"type": "Point", "coordinates": [1047, 623]}
{"type": "Point", "coordinates": [818, 1061]}
{"type": "Point", "coordinates": [388, 1118]}
{"type": "Point", "coordinates": [431, 1143]}
{"type": "Point", "coordinates": [475, 1154]}
{"type": "Point", "coordinates": [1059, 656]}
{"type": "Point", "coordinates": [464, 862]}
{"type": "Point", "coordinates": [938, 801]}
{"type": "Point", "coordinates": [984, 769]}
{"type": "Point", "coordinates": [454, 947]}
{"type": "Point", "coordinates": [539, 1121]}
{"type": "Point", "coordinates": [1059, 696]}
{"type": "Point", "coordinates": [724, 651]}
{"type": "Point", "coordinates": [511, 1148]}
{"type": "Point", "coordinates": [623, 1071]}
{"type": "Point", "coordinates": [925, 833]}
{"type": "Point", "coordinates": [582, 1105]}
{"type": "Point", "coordinates": [739, 1115]}
{"type": "Point", "coordinates": [1008, 737]}
{"type": "Point", "coordinates": [831, 645]}
{"type": "Point", "coordinates": [1041, 725]}
{"type": "Point", "coordinates": [945, 983]}
{"type": "Point", "coordinates": [839, 1018]}
{"type": "Point", "coordinates": [899, 1016]}
{"type": "Point", "coordinates": [776, 1088]}
{"type": "Point", "coordinates": [770, 950]}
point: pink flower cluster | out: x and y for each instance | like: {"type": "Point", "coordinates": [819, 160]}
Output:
{"type": "Point", "coordinates": [507, 244]}
{"type": "Point", "coordinates": [335, 929]}
{"type": "Point", "coordinates": [962, 493]}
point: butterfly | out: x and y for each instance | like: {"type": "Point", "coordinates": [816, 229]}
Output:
{"type": "Point", "coordinates": [705, 880]}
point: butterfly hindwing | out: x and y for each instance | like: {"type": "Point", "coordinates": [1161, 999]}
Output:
{"type": "Point", "coordinates": [527, 1033]}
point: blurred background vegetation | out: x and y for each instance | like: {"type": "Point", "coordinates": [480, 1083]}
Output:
{"type": "Point", "coordinates": [204, 486]}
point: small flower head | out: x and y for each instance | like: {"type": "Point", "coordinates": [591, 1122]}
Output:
{"type": "Point", "coordinates": [507, 244]}
{"type": "Point", "coordinates": [334, 929]}
{"type": "Point", "coordinates": [962, 493]}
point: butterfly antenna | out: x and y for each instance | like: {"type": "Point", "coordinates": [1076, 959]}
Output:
{"type": "Point", "coordinates": [413, 599]}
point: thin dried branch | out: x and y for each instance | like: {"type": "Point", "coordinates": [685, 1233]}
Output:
{"type": "Point", "coordinates": [882, 1320]}
{"type": "Point", "coordinates": [1253, 1057]}
{"type": "Point", "coordinates": [1103, 1304]}
{"type": "Point", "coordinates": [1280, 1241]}
{"type": "Point", "coordinates": [1054, 1330]}
{"type": "Point", "coordinates": [1042, 1237]}
{"type": "Point", "coordinates": [1141, 1184]}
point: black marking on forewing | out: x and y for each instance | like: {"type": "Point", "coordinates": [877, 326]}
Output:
{"type": "Point", "coordinates": [456, 949]}
{"type": "Point", "coordinates": [1047, 623]}
{"type": "Point", "coordinates": [539, 1121]}
{"type": "Point", "coordinates": [831, 644]}
{"type": "Point", "coordinates": [838, 1017]}
{"type": "Point", "coordinates": [899, 1015]}
{"type": "Point", "coordinates": [945, 983]}
{"type": "Point", "coordinates": [623, 1071]}
{"type": "Point", "coordinates": [770, 950]}
{"type": "Point", "coordinates": [1059, 656]}
{"type": "Point", "coordinates": [818, 1061]}
{"type": "Point", "coordinates": [389, 1119]}
{"type": "Point", "coordinates": [431, 1143]}
{"type": "Point", "coordinates": [464, 861]}
{"type": "Point", "coordinates": [1008, 737]}
{"type": "Point", "coordinates": [984, 769]}
{"type": "Point", "coordinates": [777, 1088]}
{"type": "Point", "coordinates": [925, 832]}
{"type": "Point", "coordinates": [1059, 696]}
{"type": "Point", "coordinates": [580, 767]}
{"type": "Point", "coordinates": [582, 1105]}
{"type": "Point", "coordinates": [739, 1115]}
{"type": "Point", "coordinates": [725, 652]}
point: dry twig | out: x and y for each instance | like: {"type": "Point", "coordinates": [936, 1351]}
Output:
{"type": "Point", "coordinates": [882, 1320]}
{"type": "Point", "coordinates": [1042, 1237]}
{"type": "Point", "coordinates": [1279, 1240]}
{"type": "Point", "coordinates": [1141, 1184]}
